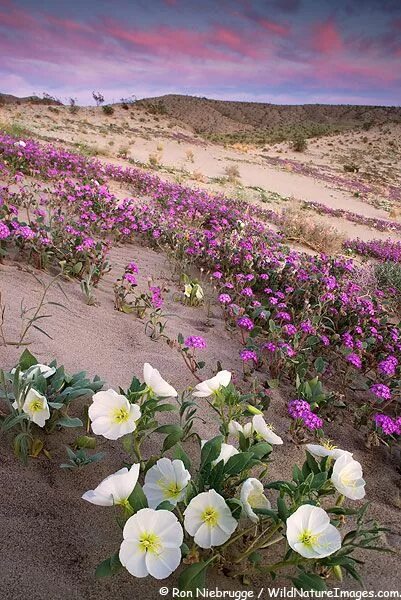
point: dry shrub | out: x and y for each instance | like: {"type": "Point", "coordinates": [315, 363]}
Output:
{"type": "Point", "coordinates": [154, 160]}
{"type": "Point", "coordinates": [198, 176]}
{"type": "Point", "coordinates": [395, 212]}
{"type": "Point", "coordinates": [298, 226]}
{"type": "Point", "coordinates": [189, 156]}
{"type": "Point", "coordinates": [232, 173]}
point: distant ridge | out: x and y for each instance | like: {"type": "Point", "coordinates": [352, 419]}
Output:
{"type": "Point", "coordinates": [250, 120]}
{"type": "Point", "coordinates": [10, 99]}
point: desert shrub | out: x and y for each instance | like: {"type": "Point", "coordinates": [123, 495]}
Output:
{"type": "Point", "coordinates": [98, 98]}
{"type": "Point", "coordinates": [189, 155]}
{"type": "Point", "coordinates": [299, 227]}
{"type": "Point", "coordinates": [154, 160]}
{"type": "Point", "coordinates": [299, 144]}
{"type": "Point", "coordinates": [388, 275]}
{"type": "Point", "coordinates": [74, 108]}
{"type": "Point", "coordinates": [232, 173]}
{"type": "Point", "coordinates": [107, 109]}
{"type": "Point", "coordinates": [351, 168]}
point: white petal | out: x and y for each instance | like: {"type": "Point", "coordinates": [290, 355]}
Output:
{"type": "Point", "coordinates": [329, 541]}
{"type": "Point", "coordinates": [133, 558]}
{"type": "Point", "coordinates": [162, 565]}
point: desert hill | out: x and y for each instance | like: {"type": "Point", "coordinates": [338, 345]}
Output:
{"type": "Point", "coordinates": [252, 121]}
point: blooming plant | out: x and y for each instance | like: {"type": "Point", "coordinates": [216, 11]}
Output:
{"type": "Point", "coordinates": [188, 349]}
{"type": "Point", "coordinates": [224, 510]}
{"type": "Point", "coordinates": [39, 398]}
{"type": "Point", "coordinates": [193, 294]}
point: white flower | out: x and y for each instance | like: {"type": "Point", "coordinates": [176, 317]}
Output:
{"type": "Point", "coordinates": [115, 489]}
{"type": "Point", "coordinates": [310, 533]}
{"type": "Point", "coordinates": [187, 290]}
{"type": "Point", "coordinates": [199, 292]}
{"type": "Point", "coordinates": [156, 383]}
{"type": "Point", "coordinates": [265, 431]}
{"type": "Point", "coordinates": [326, 449]}
{"type": "Point", "coordinates": [44, 370]}
{"type": "Point", "coordinates": [151, 545]}
{"type": "Point", "coordinates": [209, 520]}
{"type": "Point", "coordinates": [347, 477]}
{"type": "Point", "coordinates": [252, 496]}
{"type": "Point", "coordinates": [213, 385]}
{"type": "Point", "coordinates": [166, 480]}
{"type": "Point", "coordinates": [226, 452]}
{"type": "Point", "coordinates": [112, 415]}
{"type": "Point", "coordinates": [36, 407]}
{"type": "Point", "coordinates": [236, 428]}
{"type": "Point", "coordinates": [21, 144]}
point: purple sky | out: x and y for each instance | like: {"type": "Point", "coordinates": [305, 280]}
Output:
{"type": "Point", "coordinates": [282, 51]}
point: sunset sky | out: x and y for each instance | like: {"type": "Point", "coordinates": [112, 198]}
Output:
{"type": "Point", "coordinates": [281, 51]}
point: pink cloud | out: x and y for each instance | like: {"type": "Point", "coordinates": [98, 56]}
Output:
{"type": "Point", "coordinates": [326, 37]}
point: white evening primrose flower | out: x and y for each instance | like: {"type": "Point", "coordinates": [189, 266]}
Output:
{"type": "Point", "coordinates": [151, 545]}
{"type": "Point", "coordinates": [265, 431]}
{"type": "Point", "coordinates": [326, 449]}
{"type": "Point", "coordinates": [252, 496]}
{"type": "Point", "coordinates": [36, 407]}
{"type": "Point", "coordinates": [156, 384]}
{"type": "Point", "coordinates": [199, 292]}
{"type": "Point", "coordinates": [35, 370]}
{"type": "Point", "coordinates": [187, 290]}
{"type": "Point", "coordinates": [112, 415]}
{"type": "Point", "coordinates": [115, 489]}
{"type": "Point", "coordinates": [209, 520]}
{"type": "Point", "coordinates": [236, 428]}
{"type": "Point", "coordinates": [226, 452]}
{"type": "Point", "coordinates": [213, 385]}
{"type": "Point", "coordinates": [166, 480]}
{"type": "Point", "coordinates": [310, 533]}
{"type": "Point", "coordinates": [347, 477]}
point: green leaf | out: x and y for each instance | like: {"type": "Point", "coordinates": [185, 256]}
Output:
{"type": "Point", "coordinates": [77, 268]}
{"type": "Point", "coordinates": [168, 429]}
{"type": "Point", "coordinates": [309, 581]}
{"type": "Point", "coordinates": [237, 463]}
{"type": "Point", "coordinates": [138, 499]}
{"type": "Point", "coordinates": [193, 577]}
{"type": "Point", "coordinates": [165, 407]}
{"type": "Point", "coordinates": [261, 449]}
{"type": "Point", "coordinates": [172, 439]}
{"type": "Point", "coordinates": [318, 480]}
{"type": "Point", "coordinates": [282, 509]}
{"type": "Point", "coordinates": [108, 567]}
{"type": "Point", "coordinates": [165, 505]}
{"type": "Point", "coordinates": [85, 441]}
{"type": "Point", "coordinates": [56, 405]}
{"type": "Point", "coordinates": [236, 507]}
{"type": "Point", "coordinates": [211, 450]}
{"type": "Point", "coordinates": [27, 360]}
{"type": "Point", "coordinates": [180, 454]}
{"type": "Point", "coordinates": [69, 422]}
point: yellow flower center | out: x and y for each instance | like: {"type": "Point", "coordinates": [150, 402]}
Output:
{"type": "Point", "coordinates": [328, 445]}
{"type": "Point", "coordinates": [210, 516]}
{"type": "Point", "coordinates": [307, 538]}
{"type": "Point", "coordinates": [36, 405]}
{"type": "Point", "coordinates": [120, 415]}
{"type": "Point", "coordinates": [346, 481]}
{"type": "Point", "coordinates": [171, 489]}
{"type": "Point", "coordinates": [149, 542]}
